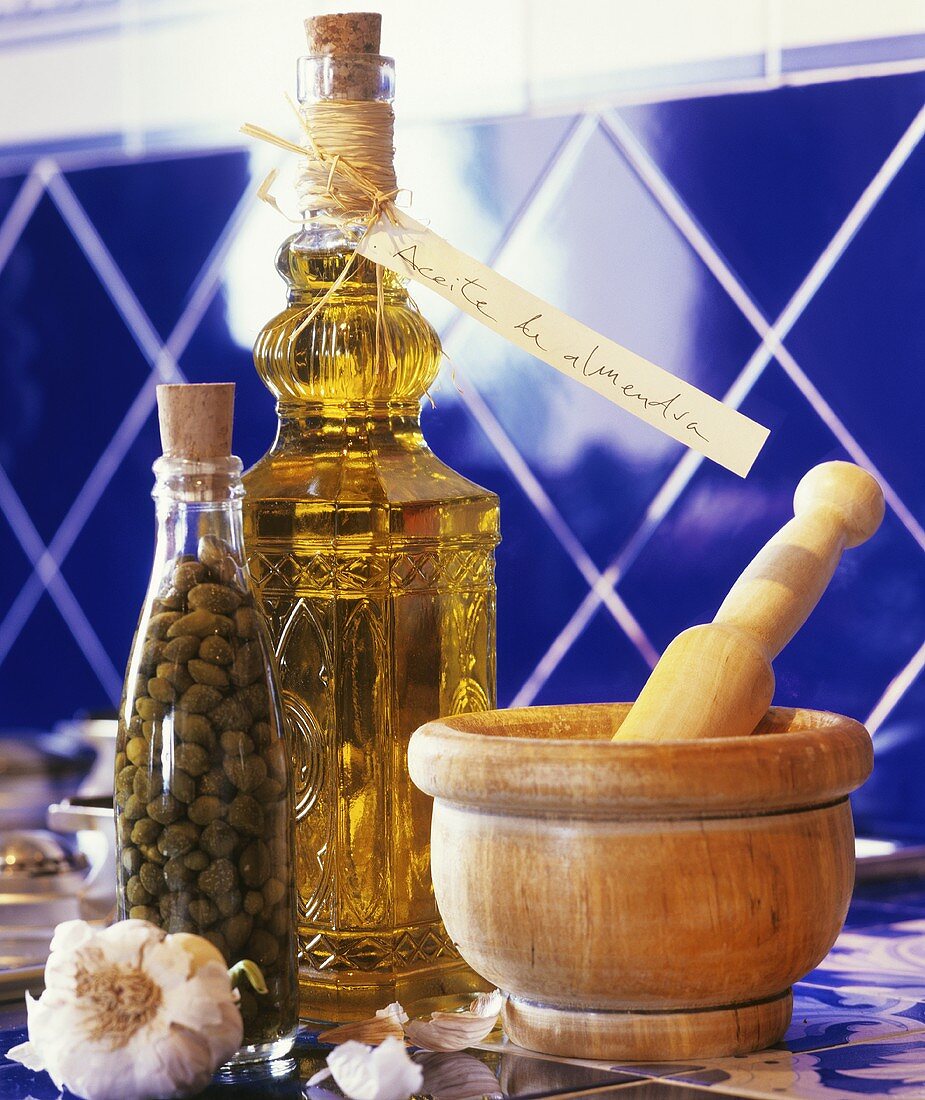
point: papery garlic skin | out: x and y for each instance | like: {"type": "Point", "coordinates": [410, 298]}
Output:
{"type": "Point", "coordinates": [449, 1031]}
{"type": "Point", "coordinates": [384, 1072]}
{"type": "Point", "coordinates": [131, 1013]}
{"type": "Point", "coordinates": [387, 1022]}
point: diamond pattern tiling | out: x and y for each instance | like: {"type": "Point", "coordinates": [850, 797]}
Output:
{"type": "Point", "coordinates": [160, 220]}
{"type": "Point", "coordinates": [890, 803]}
{"type": "Point", "coordinates": [500, 162]}
{"type": "Point", "coordinates": [16, 567]}
{"type": "Point", "coordinates": [554, 204]}
{"type": "Point", "coordinates": [601, 666]}
{"type": "Point", "coordinates": [213, 356]}
{"type": "Point", "coordinates": [870, 621]}
{"type": "Point", "coordinates": [45, 676]}
{"type": "Point", "coordinates": [770, 177]}
{"type": "Point", "coordinates": [9, 186]}
{"type": "Point", "coordinates": [606, 231]}
{"type": "Point", "coordinates": [867, 360]}
{"type": "Point", "coordinates": [78, 365]}
{"type": "Point", "coordinates": [117, 542]}
{"type": "Point", "coordinates": [538, 583]}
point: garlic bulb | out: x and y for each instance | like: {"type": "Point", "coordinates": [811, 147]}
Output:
{"type": "Point", "coordinates": [384, 1072]}
{"type": "Point", "coordinates": [457, 1030]}
{"type": "Point", "coordinates": [387, 1022]}
{"type": "Point", "coordinates": [129, 1013]}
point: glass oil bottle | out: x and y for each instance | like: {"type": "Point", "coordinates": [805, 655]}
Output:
{"type": "Point", "coordinates": [375, 567]}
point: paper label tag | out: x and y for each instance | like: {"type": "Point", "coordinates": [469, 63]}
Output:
{"type": "Point", "coordinates": [642, 388]}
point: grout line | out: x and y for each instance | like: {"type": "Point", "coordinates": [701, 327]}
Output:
{"type": "Point", "coordinates": [29, 539]}
{"type": "Point", "coordinates": [107, 271]}
{"type": "Point", "coordinates": [554, 520]}
{"type": "Point", "coordinates": [895, 690]}
{"type": "Point", "coordinates": [772, 336]}
{"type": "Point", "coordinates": [165, 368]}
{"type": "Point", "coordinates": [546, 189]}
{"type": "Point", "coordinates": [629, 146]}
{"type": "Point", "coordinates": [19, 213]}
{"type": "Point", "coordinates": [539, 199]}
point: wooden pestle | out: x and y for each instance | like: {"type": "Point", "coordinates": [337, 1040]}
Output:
{"type": "Point", "coordinates": [716, 680]}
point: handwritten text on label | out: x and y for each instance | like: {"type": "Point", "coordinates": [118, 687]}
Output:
{"type": "Point", "coordinates": [630, 381]}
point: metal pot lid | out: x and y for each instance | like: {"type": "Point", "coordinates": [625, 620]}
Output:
{"type": "Point", "coordinates": [35, 853]}
{"type": "Point", "coordinates": [26, 752]}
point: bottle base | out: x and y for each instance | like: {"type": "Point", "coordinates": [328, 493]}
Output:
{"type": "Point", "coordinates": [353, 995]}
{"type": "Point", "coordinates": [262, 1058]}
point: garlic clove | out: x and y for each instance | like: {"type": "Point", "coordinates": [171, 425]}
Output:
{"type": "Point", "coordinates": [381, 1073]}
{"type": "Point", "coordinates": [387, 1023]}
{"type": "Point", "coordinates": [487, 1004]}
{"type": "Point", "coordinates": [448, 1031]}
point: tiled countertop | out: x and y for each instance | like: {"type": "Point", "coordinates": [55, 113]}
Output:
{"type": "Point", "coordinates": [858, 1030]}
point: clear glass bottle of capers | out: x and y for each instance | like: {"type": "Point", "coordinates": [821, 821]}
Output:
{"type": "Point", "coordinates": [203, 789]}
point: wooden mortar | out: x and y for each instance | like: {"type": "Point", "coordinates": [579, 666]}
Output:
{"type": "Point", "coordinates": [641, 900]}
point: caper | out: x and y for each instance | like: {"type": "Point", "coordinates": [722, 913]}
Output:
{"type": "Point", "coordinates": [203, 912]}
{"type": "Point", "coordinates": [147, 785]}
{"type": "Point", "coordinates": [181, 648]}
{"type": "Point", "coordinates": [131, 860]}
{"type": "Point", "coordinates": [143, 912]}
{"type": "Point", "coordinates": [199, 699]}
{"type": "Point", "coordinates": [159, 625]}
{"type": "Point", "coordinates": [177, 839]}
{"type": "Point", "coordinates": [146, 831]}
{"type": "Point", "coordinates": [246, 815]}
{"type": "Point", "coordinates": [246, 773]}
{"type": "Point", "coordinates": [193, 759]}
{"type": "Point", "coordinates": [216, 650]}
{"type": "Point", "coordinates": [246, 622]}
{"type": "Point", "coordinates": [236, 930]}
{"type": "Point", "coordinates": [219, 839]}
{"type": "Point", "coordinates": [152, 878]}
{"type": "Point", "coordinates": [205, 673]}
{"type": "Point", "coordinates": [206, 808]}
{"type": "Point", "coordinates": [188, 574]}
{"type": "Point", "coordinates": [217, 598]}
{"type": "Point", "coordinates": [150, 709]}
{"type": "Point", "coordinates": [195, 728]}
{"type": "Point", "coordinates": [219, 879]}
{"type": "Point", "coordinates": [137, 750]}
{"type": "Point", "coordinates": [201, 622]}
{"type": "Point", "coordinates": [247, 665]}
{"type": "Point", "coordinates": [230, 714]}
{"type": "Point", "coordinates": [177, 874]}
{"type": "Point", "coordinates": [162, 690]}
{"type": "Point", "coordinates": [236, 743]}
{"type": "Point", "coordinates": [253, 902]}
{"type": "Point", "coordinates": [263, 948]}
{"type": "Point", "coordinates": [136, 893]}
{"type": "Point", "coordinates": [254, 864]}
{"type": "Point", "coordinates": [165, 809]}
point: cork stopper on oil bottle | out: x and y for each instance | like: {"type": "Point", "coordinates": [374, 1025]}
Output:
{"type": "Point", "coordinates": [353, 39]}
{"type": "Point", "coordinates": [196, 420]}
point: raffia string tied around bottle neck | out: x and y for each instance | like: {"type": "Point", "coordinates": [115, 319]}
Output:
{"type": "Point", "coordinates": [359, 179]}
{"type": "Point", "coordinates": [354, 186]}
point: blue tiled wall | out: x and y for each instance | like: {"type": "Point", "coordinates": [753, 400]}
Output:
{"type": "Point", "coordinates": [681, 229]}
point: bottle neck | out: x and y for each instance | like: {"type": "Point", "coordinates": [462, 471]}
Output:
{"type": "Point", "coordinates": [198, 509]}
{"type": "Point", "coordinates": [350, 340]}
{"type": "Point", "coordinates": [325, 427]}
